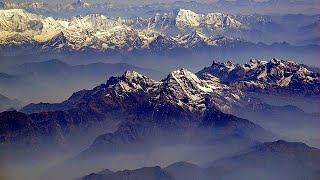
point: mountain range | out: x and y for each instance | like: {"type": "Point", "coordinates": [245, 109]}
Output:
{"type": "Point", "coordinates": [275, 75]}
{"type": "Point", "coordinates": [102, 32]}
{"type": "Point", "coordinates": [297, 158]}
{"type": "Point", "coordinates": [166, 31]}
{"type": "Point", "coordinates": [182, 98]}
{"type": "Point", "coordinates": [98, 91]}
{"type": "Point", "coordinates": [133, 113]}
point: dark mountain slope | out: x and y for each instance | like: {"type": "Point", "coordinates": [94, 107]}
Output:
{"type": "Point", "coordinates": [273, 160]}
{"type": "Point", "coordinates": [150, 173]}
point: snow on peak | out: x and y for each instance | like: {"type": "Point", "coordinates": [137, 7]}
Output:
{"type": "Point", "coordinates": [130, 81]}
{"type": "Point", "coordinates": [184, 20]}
{"type": "Point", "coordinates": [102, 32]}
{"type": "Point", "coordinates": [133, 75]}
{"type": "Point", "coordinates": [254, 64]}
{"type": "Point", "coordinates": [183, 73]}
{"type": "Point", "coordinates": [221, 21]}
{"type": "Point", "coordinates": [189, 91]}
{"type": "Point", "coordinates": [133, 81]}
{"type": "Point", "coordinates": [275, 75]}
{"type": "Point", "coordinates": [18, 20]}
{"type": "Point", "coordinates": [187, 84]}
{"type": "Point", "coordinates": [181, 88]}
{"type": "Point", "coordinates": [188, 18]}
{"type": "Point", "coordinates": [229, 64]}
{"type": "Point", "coordinates": [211, 21]}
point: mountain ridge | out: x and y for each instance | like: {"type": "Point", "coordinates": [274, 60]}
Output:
{"type": "Point", "coordinates": [275, 75]}
{"type": "Point", "coordinates": [222, 169]}
{"type": "Point", "coordinates": [180, 100]}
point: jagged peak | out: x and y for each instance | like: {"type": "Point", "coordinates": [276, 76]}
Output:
{"type": "Point", "coordinates": [215, 63]}
{"type": "Point", "coordinates": [177, 75]}
{"type": "Point", "coordinates": [189, 91]}
{"type": "Point", "coordinates": [253, 63]}
{"type": "Point", "coordinates": [130, 77]}
{"type": "Point", "coordinates": [256, 61]}
{"type": "Point", "coordinates": [216, 16]}
{"type": "Point", "coordinates": [274, 75]}
{"type": "Point", "coordinates": [188, 17]}
{"type": "Point", "coordinates": [190, 83]}
{"type": "Point", "coordinates": [275, 61]}
{"type": "Point", "coordinates": [283, 62]}
{"type": "Point", "coordinates": [133, 75]}
{"type": "Point", "coordinates": [227, 64]}
{"type": "Point", "coordinates": [181, 71]}
{"type": "Point", "coordinates": [131, 81]}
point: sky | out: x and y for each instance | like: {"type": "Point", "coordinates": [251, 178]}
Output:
{"type": "Point", "coordinates": [103, 1]}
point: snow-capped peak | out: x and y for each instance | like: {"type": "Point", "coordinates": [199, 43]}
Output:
{"type": "Point", "coordinates": [101, 32]}
{"type": "Point", "coordinates": [132, 81]}
{"type": "Point", "coordinates": [187, 84]}
{"type": "Point", "coordinates": [11, 13]}
{"type": "Point", "coordinates": [181, 88]}
{"type": "Point", "coordinates": [221, 21]}
{"type": "Point", "coordinates": [185, 89]}
{"type": "Point", "coordinates": [188, 18]}
{"type": "Point", "coordinates": [183, 73]}
{"type": "Point", "coordinates": [275, 75]}
{"type": "Point", "coordinates": [17, 20]}
{"type": "Point", "coordinates": [212, 21]}
{"type": "Point", "coordinates": [131, 75]}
